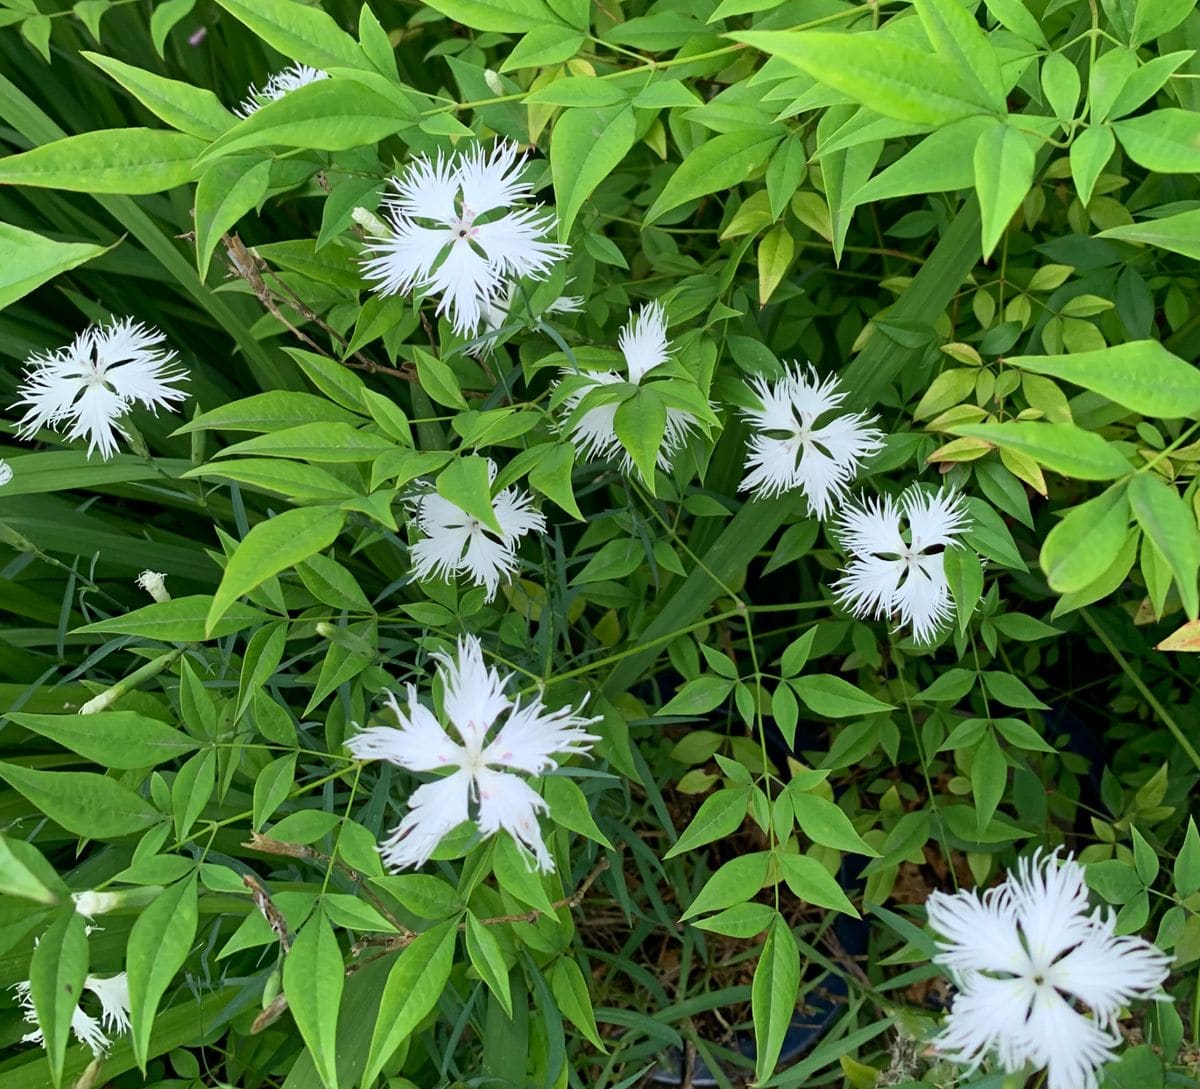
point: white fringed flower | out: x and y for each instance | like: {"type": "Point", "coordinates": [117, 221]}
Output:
{"type": "Point", "coordinates": [277, 85]}
{"type": "Point", "coordinates": [90, 384]}
{"type": "Point", "coordinates": [448, 237]}
{"type": "Point", "coordinates": [1027, 957]}
{"type": "Point", "coordinates": [524, 740]}
{"type": "Point", "coordinates": [6, 472]}
{"type": "Point", "coordinates": [113, 993]}
{"type": "Point", "coordinates": [454, 542]}
{"type": "Point", "coordinates": [787, 449]}
{"type": "Point", "coordinates": [643, 342]}
{"type": "Point", "coordinates": [898, 573]}
{"type": "Point", "coordinates": [155, 584]}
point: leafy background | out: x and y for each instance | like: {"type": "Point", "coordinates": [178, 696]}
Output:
{"type": "Point", "coordinates": [983, 217]}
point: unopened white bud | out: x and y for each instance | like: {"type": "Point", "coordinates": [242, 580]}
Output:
{"type": "Point", "coordinates": [493, 80]}
{"type": "Point", "coordinates": [370, 222]}
{"type": "Point", "coordinates": [92, 903]}
{"type": "Point", "coordinates": [154, 583]}
{"type": "Point", "coordinates": [6, 472]}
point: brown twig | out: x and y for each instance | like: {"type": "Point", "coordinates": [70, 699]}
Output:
{"type": "Point", "coordinates": [268, 846]}
{"type": "Point", "coordinates": [270, 912]}
{"type": "Point", "coordinates": [248, 266]}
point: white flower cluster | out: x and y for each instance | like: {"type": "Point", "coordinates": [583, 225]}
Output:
{"type": "Point", "coordinates": [1028, 959]}
{"type": "Point", "coordinates": [474, 703]}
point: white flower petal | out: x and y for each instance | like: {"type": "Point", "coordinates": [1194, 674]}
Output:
{"type": "Point", "coordinates": [515, 244]}
{"type": "Point", "coordinates": [643, 341]}
{"type": "Point", "coordinates": [434, 810]}
{"type": "Point", "coordinates": [277, 85]}
{"type": "Point", "coordinates": [419, 745]}
{"type": "Point", "coordinates": [467, 282]}
{"type": "Point", "coordinates": [511, 804]}
{"type": "Point", "coordinates": [1070, 1046]}
{"type": "Point", "coordinates": [491, 181]}
{"type": "Point", "coordinates": [979, 933]}
{"type": "Point", "coordinates": [113, 992]}
{"type": "Point", "coordinates": [531, 736]}
{"type": "Point", "coordinates": [427, 188]}
{"type": "Point", "coordinates": [936, 520]}
{"type": "Point", "coordinates": [988, 1018]}
{"type": "Point", "coordinates": [473, 692]}
{"type": "Point", "coordinates": [404, 260]}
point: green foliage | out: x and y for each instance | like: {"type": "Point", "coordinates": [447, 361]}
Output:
{"type": "Point", "coordinates": [979, 217]}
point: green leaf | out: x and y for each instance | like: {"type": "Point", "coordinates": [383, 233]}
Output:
{"type": "Point", "coordinates": [569, 808]}
{"type": "Point", "coordinates": [1167, 519]}
{"type": "Point", "coordinates": [82, 802]}
{"type": "Point", "coordinates": [300, 31]}
{"type": "Point", "coordinates": [1164, 141]}
{"type": "Point", "coordinates": [964, 573]}
{"type": "Point", "coordinates": [543, 45]}
{"type": "Point", "coordinates": [1015, 16]}
{"type": "Point", "coordinates": [1061, 447]}
{"type": "Point", "coordinates": [775, 253]}
{"type": "Point", "coordinates": [1011, 691]}
{"type": "Point", "coordinates": [488, 961]}
{"type": "Point", "coordinates": [1061, 85]}
{"type": "Point", "coordinates": [1079, 549]}
{"type": "Point", "coordinates": [183, 106]}
{"type": "Point", "coordinates": [272, 786]}
{"type": "Point", "coordinates": [698, 696]}
{"type": "Point", "coordinates": [467, 483]}
{"type": "Point", "coordinates": [226, 191]}
{"type": "Point", "coordinates": [164, 18]}
{"type": "Point", "coordinates": [113, 739]}
{"type": "Point", "coordinates": [586, 146]}
{"type": "Point", "coordinates": [426, 896]}
{"type": "Point", "coordinates": [574, 998]}
{"type": "Point", "coordinates": [1154, 17]}
{"type": "Point", "coordinates": [737, 881]}
{"type": "Point", "coordinates": [1140, 375]}
{"type": "Point", "coordinates": [293, 479]}
{"type": "Point", "coordinates": [552, 477]}
{"type": "Point", "coordinates": [1004, 161]}
{"type": "Point", "coordinates": [28, 260]}
{"type": "Point", "coordinates": [313, 977]}
{"type": "Point", "coordinates": [506, 16]}
{"type": "Point", "coordinates": [132, 161]}
{"type": "Point", "coordinates": [56, 974]}
{"type": "Point", "coordinates": [270, 412]}
{"type": "Point", "coordinates": [1187, 863]}
{"type": "Point", "coordinates": [825, 694]}
{"type": "Point", "coordinates": [328, 115]}
{"type": "Point", "coordinates": [438, 380]}
{"type": "Point", "coordinates": [413, 987]}
{"type": "Point", "coordinates": [273, 546]}
{"type": "Point", "coordinates": [589, 92]}
{"type": "Point", "coordinates": [192, 789]}
{"type": "Point", "coordinates": [159, 943]}
{"type": "Point", "coordinates": [892, 79]}
{"type": "Point", "coordinates": [180, 620]}
{"type": "Point", "coordinates": [989, 776]}
{"type": "Point", "coordinates": [773, 996]}
{"type": "Point", "coordinates": [640, 422]}
{"type": "Point", "coordinates": [335, 443]}
{"type": "Point", "coordinates": [19, 880]}
{"type": "Point", "coordinates": [826, 824]}
{"type": "Point", "coordinates": [1090, 151]}
{"type": "Point", "coordinates": [809, 880]}
{"type": "Point", "coordinates": [960, 41]}
{"type": "Point", "coordinates": [718, 164]}
{"type": "Point", "coordinates": [1178, 233]}
{"type": "Point", "coordinates": [720, 815]}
